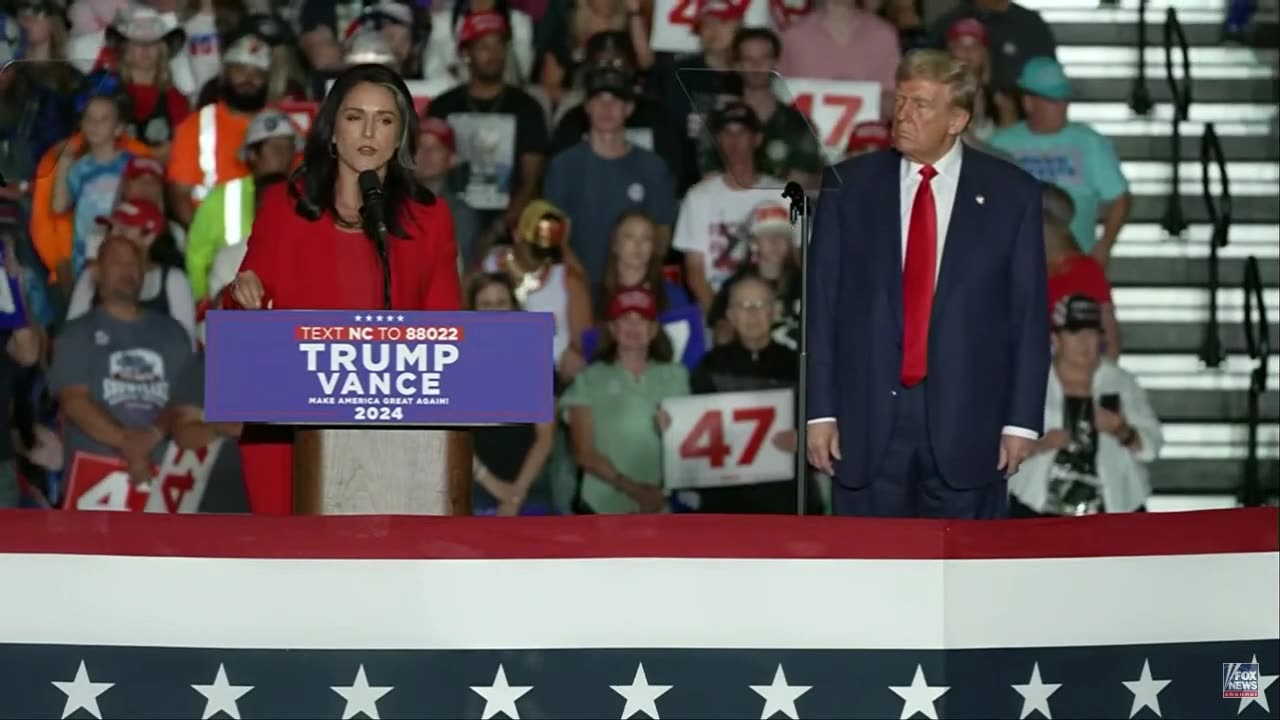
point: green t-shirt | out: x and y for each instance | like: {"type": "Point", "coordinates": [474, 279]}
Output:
{"type": "Point", "coordinates": [622, 411]}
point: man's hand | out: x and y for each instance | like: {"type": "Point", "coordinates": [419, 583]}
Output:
{"type": "Point", "coordinates": [140, 472]}
{"type": "Point", "coordinates": [824, 445]}
{"type": "Point", "coordinates": [247, 290]}
{"type": "Point", "coordinates": [1013, 450]}
{"type": "Point", "coordinates": [139, 442]}
{"type": "Point", "coordinates": [662, 419]}
{"type": "Point", "coordinates": [571, 363]}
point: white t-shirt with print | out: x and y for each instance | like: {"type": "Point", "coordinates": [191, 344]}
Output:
{"type": "Point", "coordinates": [712, 219]}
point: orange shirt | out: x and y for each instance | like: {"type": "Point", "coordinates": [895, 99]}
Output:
{"type": "Point", "coordinates": [51, 232]}
{"type": "Point", "coordinates": [206, 148]}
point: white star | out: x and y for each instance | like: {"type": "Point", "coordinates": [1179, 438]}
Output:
{"type": "Point", "coordinates": [780, 697]}
{"type": "Point", "coordinates": [1035, 694]}
{"type": "Point", "coordinates": [82, 693]}
{"type": "Point", "coordinates": [221, 695]}
{"type": "Point", "coordinates": [1146, 691]}
{"type": "Point", "coordinates": [640, 695]}
{"type": "Point", "coordinates": [500, 697]}
{"type": "Point", "coordinates": [399, 318]}
{"type": "Point", "coordinates": [379, 318]}
{"type": "Point", "coordinates": [360, 696]}
{"type": "Point", "coordinates": [357, 318]}
{"type": "Point", "coordinates": [919, 696]}
{"type": "Point", "coordinates": [1264, 682]}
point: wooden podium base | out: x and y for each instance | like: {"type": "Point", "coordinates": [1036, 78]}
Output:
{"type": "Point", "coordinates": [381, 471]}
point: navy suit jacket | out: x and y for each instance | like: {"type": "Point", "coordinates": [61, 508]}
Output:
{"type": "Point", "coordinates": [989, 328]}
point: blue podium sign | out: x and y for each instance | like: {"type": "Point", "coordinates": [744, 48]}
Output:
{"type": "Point", "coordinates": [324, 367]}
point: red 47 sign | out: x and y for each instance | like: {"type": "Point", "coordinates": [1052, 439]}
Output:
{"type": "Point", "coordinates": [101, 482]}
{"type": "Point", "coordinates": [726, 439]}
{"type": "Point", "coordinates": [672, 29]}
{"type": "Point", "coordinates": [834, 107]}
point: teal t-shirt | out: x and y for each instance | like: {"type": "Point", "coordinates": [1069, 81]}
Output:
{"type": "Point", "coordinates": [1076, 158]}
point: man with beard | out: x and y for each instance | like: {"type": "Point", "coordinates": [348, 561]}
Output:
{"type": "Point", "coordinates": [226, 215]}
{"type": "Point", "coordinates": [114, 366]}
{"type": "Point", "coordinates": [501, 130]}
{"type": "Point", "coordinates": [206, 146]}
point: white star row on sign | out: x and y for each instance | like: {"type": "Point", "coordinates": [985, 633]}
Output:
{"type": "Point", "coordinates": [379, 318]}
{"type": "Point", "coordinates": [1264, 682]}
{"type": "Point", "coordinates": [641, 698]}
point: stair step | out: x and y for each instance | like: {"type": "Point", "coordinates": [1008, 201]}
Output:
{"type": "Point", "coordinates": [1151, 208]}
{"type": "Point", "coordinates": [1217, 62]}
{"type": "Point", "coordinates": [1212, 405]}
{"type": "Point", "coordinates": [1186, 337]}
{"type": "Point", "coordinates": [1186, 272]}
{"type": "Point", "coordinates": [1207, 476]}
{"type": "Point", "coordinates": [1186, 304]}
{"type": "Point", "coordinates": [1216, 441]}
{"type": "Point", "coordinates": [1246, 178]}
{"type": "Point", "coordinates": [1149, 240]}
{"type": "Point", "coordinates": [1116, 118]}
{"type": "Point", "coordinates": [1234, 147]}
{"type": "Point", "coordinates": [1118, 87]}
{"type": "Point", "coordinates": [1190, 12]}
{"type": "Point", "coordinates": [1125, 34]}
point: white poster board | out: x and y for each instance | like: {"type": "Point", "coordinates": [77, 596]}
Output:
{"type": "Point", "coordinates": [727, 439]}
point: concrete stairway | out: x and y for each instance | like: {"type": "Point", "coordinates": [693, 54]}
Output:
{"type": "Point", "coordinates": [1161, 296]}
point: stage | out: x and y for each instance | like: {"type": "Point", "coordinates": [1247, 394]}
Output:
{"type": "Point", "coordinates": [128, 615]}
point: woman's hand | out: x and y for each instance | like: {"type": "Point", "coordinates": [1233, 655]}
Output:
{"type": "Point", "coordinates": [1055, 439]}
{"type": "Point", "coordinates": [571, 363]}
{"type": "Point", "coordinates": [650, 498]}
{"type": "Point", "coordinates": [662, 419]}
{"type": "Point", "coordinates": [247, 291]}
{"type": "Point", "coordinates": [785, 440]}
{"type": "Point", "coordinates": [1109, 422]}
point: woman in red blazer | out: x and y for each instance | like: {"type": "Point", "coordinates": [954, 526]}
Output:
{"type": "Point", "coordinates": [313, 242]}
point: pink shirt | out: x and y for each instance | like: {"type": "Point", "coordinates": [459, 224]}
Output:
{"type": "Point", "coordinates": [870, 54]}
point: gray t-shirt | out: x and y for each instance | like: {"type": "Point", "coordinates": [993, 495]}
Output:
{"type": "Point", "coordinates": [226, 492]}
{"type": "Point", "coordinates": [129, 368]}
{"type": "Point", "coordinates": [594, 191]}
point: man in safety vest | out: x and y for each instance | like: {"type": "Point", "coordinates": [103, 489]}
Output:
{"type": "Point", "coordinates": [206, 146]}
{"type": "Point", "coordinates": [226, 215]}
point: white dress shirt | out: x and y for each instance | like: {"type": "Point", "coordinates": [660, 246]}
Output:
{"type": "Point", "coordinates": [944, 185]}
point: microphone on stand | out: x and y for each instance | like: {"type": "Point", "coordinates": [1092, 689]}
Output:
{"type": "Point", "coordinates": [375, 226]}
{"type": "Point", "coordinates": [800, 216]}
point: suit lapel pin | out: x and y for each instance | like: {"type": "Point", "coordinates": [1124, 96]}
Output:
{"type": "Point", "coordinates": [980, 199]}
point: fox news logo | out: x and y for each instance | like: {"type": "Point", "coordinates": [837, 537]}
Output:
{"type": "Point", "coordinates": [1240, 680]}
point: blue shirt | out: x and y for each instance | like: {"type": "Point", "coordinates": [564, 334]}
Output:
{"type": "Point", "coordinates": [1076, 158]}
{"type": "Point", "coordinates": [94, 186]}
{"type": "Point", "coordinates": [595, 191]}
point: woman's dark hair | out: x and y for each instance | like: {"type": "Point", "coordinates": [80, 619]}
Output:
{"type": "Point", "coordinates": [660, 349]}
{"type": "Point", "coordinates": [653, 278]}
{"type": "Point", "coordinates": [484, 280]}
{"type": "Point", "coordinates": [312, 184]}
{"type": "Point", "coordinates": [747, 34]}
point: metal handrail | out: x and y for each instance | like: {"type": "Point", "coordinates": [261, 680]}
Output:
{"type": "Point", "coordinates": [1140, 97]}
{"type": "Point", "coordinates": [1257, 338]}
{"type": "Point", "coordinates": [1174, 222]}
{"type": "Point", "coordinates": [1219, 211]}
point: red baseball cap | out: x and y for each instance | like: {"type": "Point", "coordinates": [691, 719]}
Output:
{"type": "Point", "coordinates": [638, 300]}
{"type": "Point", "coordinates": [142, 214]}
{"type": "Point", "coordinates": [478, 24]}
{"type": "Point", "coordinates": [967, 28]}
{"type": "Point", "coordinates": [440, 130]}
{"type": "Point", "coordinates": [139, 166]}
{"type": "Point", "coordinates": [872, 135]}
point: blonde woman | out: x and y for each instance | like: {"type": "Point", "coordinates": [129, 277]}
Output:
{"type": "Point", "coordinates": [44, 29]}
{"type": "Point", "coordinates": [144, 42]}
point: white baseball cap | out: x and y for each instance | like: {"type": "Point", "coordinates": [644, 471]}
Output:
{"type": "Point", "coordinates": [249, 50]}
{"type": "Point", "coordinates": [268, 124]}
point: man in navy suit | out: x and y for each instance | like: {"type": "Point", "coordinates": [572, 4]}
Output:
{"type": "Point", "coordinates": [928, 336]}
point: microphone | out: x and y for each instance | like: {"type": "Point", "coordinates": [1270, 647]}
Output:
{"type": "Point", "coordinates": [375, 226]}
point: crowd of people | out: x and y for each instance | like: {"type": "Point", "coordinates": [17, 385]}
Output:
{"type": "Point", "coordinates": [587, 175]}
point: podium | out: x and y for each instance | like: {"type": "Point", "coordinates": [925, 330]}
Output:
{"type": "Point", "coordinates": [380, 403]}
{"type": "Point", "coordinates": [383, 471]}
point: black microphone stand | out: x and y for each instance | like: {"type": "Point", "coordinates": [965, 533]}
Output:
{"type": "Point", "coordinates": [800, 221]}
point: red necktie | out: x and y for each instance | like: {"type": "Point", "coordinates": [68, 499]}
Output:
{"type": "Point", "coordinates": [917, 281]}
